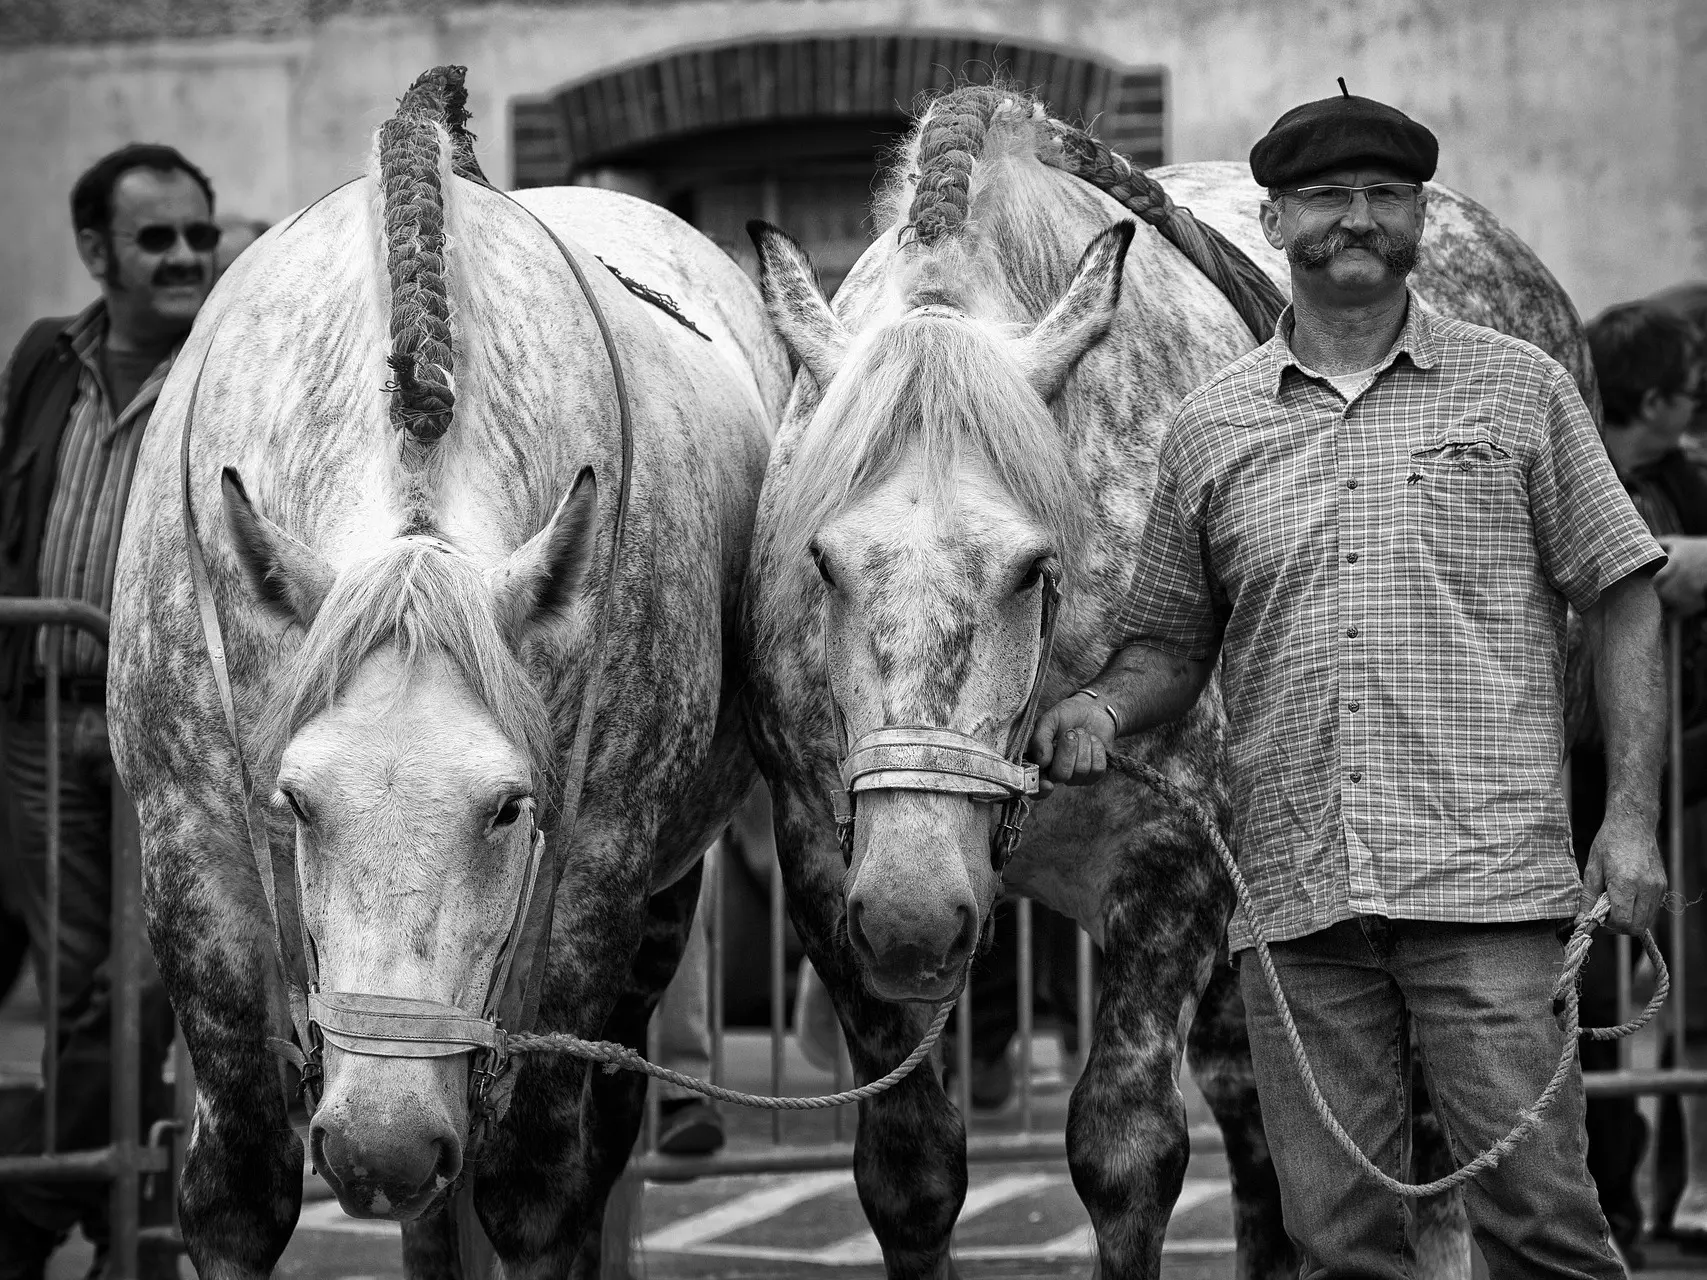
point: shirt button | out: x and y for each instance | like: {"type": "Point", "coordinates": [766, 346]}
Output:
{"type": "Point", "coordinates": [1351, 557]}
{"type": "Point", "coordinates": [1352, 632]}
{"type": "Point", "coordinates": [1352, 706]}
{"type": "Point", "coordinates": [1351, 484]}
{"type": "Point", "coordinates": [1357, 777]}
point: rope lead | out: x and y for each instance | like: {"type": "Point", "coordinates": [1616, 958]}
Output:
{"type": "Point", "coordinates": [1576, 951]}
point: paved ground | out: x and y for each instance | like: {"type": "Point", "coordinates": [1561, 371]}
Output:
{"type": "Point", "coordinates": [1021, 1217]}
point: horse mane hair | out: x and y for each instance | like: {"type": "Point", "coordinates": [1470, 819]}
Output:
{"type": "Point", "coordinates": [936, 384]}
{"type": "Point", "coordinates": [421, 598]}
{"type": "Point", "coordinates": [939, 388]}
{"type": "Point", "coordinates": [430, 121]}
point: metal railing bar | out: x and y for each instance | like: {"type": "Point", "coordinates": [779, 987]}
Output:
{"type": "Point", "coordinates": [712, 906]}
{"type": "Point", "coordinates": [1674, 833]}
{"type": "Point", "coordinates": [963, 1050]}
{"type": "Point", "coordinates": [779, 962]}
{"type": "Point", "coordinates": [1644, 1082]}
{"type": "Point", "coordinates": [1023, 941]}
{"type": "Point", "coordinates": [50, 1055]}
{"type": "Point", "coordinates": [23, 611]}
{"type": "Point", "coordinates": [96, 1165]}
{"type": "Point", "coordinates": [125, 1211]}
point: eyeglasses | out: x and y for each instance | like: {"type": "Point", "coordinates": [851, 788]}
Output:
{"type": "Point", "coordinates": [158, 237]}
{"type": "Point", "coordinates": [1383, 197]}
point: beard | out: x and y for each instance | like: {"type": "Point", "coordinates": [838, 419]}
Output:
{"type": "Point", "coordinates": [1398, 254]}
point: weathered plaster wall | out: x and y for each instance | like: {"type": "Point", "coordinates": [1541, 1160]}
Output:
{"type": "Point", "coordinates": [1578, 121]}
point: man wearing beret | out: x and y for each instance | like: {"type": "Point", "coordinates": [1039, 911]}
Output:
{"type": "Point", "coordinates": [1376, 521]}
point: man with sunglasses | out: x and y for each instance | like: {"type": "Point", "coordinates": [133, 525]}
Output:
{"type": "Point", "coordinates": [76, 397]}
{"type": "Point", "coordinates": [1375, 522]}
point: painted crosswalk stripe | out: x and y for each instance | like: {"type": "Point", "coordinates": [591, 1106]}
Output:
{"type": "Point", "coordinates": [862, 1247]}
{"type": "Point", "coordinates": [327, 1215]}
{"type": "Point", "coordinates": [744, 1211]}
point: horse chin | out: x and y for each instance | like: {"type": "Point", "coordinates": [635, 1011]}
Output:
{"type": "Point", "coordinates": [916, 987]}
{"type": "Point", "coordinates": [374, 1204]}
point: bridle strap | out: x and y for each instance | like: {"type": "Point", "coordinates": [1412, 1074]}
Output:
{"type": "Point", "coordinates": [400, 1027]}
{"type": "Point", "coordinates": [913, 757]}
{"type": "Point", "coordinates": [291, 944]}
{"type": "Point", "coordinates": [917, 757]}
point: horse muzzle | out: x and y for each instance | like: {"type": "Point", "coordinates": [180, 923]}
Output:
{"type": "Point", "coordinates": [386, 1155]}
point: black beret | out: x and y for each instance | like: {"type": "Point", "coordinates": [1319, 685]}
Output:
{"type": "Point", "coordinates": [1341, 133]}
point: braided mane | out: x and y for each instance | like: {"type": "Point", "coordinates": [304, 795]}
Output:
{"type": "Point", "coordinates": [432, 111]}
{"type": "Point", "coordinates": [949, 142]}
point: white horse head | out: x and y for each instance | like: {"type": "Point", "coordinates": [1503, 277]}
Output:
{"type": "Point", "coordinates": [928, 498]}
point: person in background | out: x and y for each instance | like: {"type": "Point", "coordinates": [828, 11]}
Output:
{"type": "Point", "coordinates": [1648, 361]}
{"type": "Point", "coordinates": [1690, 302]}
{"type": "Point", "coordinates": [76, 397]}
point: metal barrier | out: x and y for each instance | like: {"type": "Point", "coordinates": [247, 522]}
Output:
{"type": "Point", "coordinates": [1679, 1078]}
{"type": "Point", "coordinates": [126, 1158]}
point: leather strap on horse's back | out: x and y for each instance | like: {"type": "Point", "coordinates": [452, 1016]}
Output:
{"type": "Point", "coordinates": [1254, 295]}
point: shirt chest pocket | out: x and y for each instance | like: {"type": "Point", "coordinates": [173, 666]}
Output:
{"type": "Point", "coordinates": [1463, 510]}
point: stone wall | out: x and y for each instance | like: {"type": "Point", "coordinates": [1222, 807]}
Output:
{"type": "Point", "coordinates": [1577, 121]}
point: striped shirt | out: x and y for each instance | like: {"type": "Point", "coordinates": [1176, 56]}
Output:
{"type": "Point", "coordinates": [1386, 581]}
{"type": "Point", "coordinates": [97, 456]}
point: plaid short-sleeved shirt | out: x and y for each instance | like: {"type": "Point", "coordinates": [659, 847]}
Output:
{"type": "Point", "coordinates": [1385, 581]}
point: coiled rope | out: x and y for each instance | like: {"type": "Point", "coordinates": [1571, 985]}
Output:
{"type": "Point", "coordinates": [619, 1057]}
{"type": "Point", "coordinates": [1565, 991]}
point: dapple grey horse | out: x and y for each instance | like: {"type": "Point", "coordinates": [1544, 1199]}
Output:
{"type": "Point", "coordinates": [976, 420]}
{"type": "Point", "coordinates": [404, 466]}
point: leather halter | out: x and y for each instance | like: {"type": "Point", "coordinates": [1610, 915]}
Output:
{"type": "Point", "coordinates": [918, 757]}
{"type": "Point", "coordinates": [395, 1026]}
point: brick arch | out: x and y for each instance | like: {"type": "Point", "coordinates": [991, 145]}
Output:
{"type": "Point", "coordinates": [766, 82]}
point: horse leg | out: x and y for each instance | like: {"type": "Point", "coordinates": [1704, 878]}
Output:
{"type": "Point", "coordinates": [1218, 1051]}
{"type": "Point", "coordinates": [910, 1145]}
{"type": "Point", "coordinates": [1127, 1142]}
{"type": "Point", "coordinates": [615, 1105]}
{"type": "Point", "coordinates": [241, 1185]}
{"type": "Point", "coordinates": [547, 1174]}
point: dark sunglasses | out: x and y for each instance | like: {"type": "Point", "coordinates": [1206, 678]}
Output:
{"type": "Point", "coordinates": [158, 237]}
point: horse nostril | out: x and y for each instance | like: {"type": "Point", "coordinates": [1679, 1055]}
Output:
{"type": "Point", "coordinates": [450, 1159]}
{"type": "Point", "coordinates": [856, 927]}
{"type": "Point", "coordinates": [967, 938]}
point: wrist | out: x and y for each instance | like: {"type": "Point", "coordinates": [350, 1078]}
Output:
{"type": "Point", "coordinates": [1096, 696]}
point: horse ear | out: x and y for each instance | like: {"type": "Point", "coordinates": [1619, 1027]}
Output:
{"type": "Point", "coordinates": [541, 578]}
{"type": "Point", "coordinates": [1080, 319]}
{"type": "Point", "coordinates": [796, 303]}
{"type": "Point", "coordinates": [289, 576]}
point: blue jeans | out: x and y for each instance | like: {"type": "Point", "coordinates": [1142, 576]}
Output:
{"type": "Point", "coordinates": [1480, 1000]}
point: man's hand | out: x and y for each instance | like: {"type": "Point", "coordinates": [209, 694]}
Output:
{"type": "Point", "coordinates": [1072, 741]}
{"type": "Point", "coordinates": [1624, 863]}
{"type": "Point", "coordinates": [1682, 583]}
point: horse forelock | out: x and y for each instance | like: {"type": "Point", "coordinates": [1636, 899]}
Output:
{"type": "Point", "coordinates": [420, 598]}
{"type": "Point", "coordinates": [936, 391]}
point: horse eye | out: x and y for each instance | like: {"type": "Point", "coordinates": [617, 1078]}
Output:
{"type": "Point", "coordinates": [1032, 574]}
{"type": "Point", "coordinates": [508, 812]}
{"type": "Point", "coordinates": [823, 563]}
{"type": "Point", "coordinates": [295, 805]}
